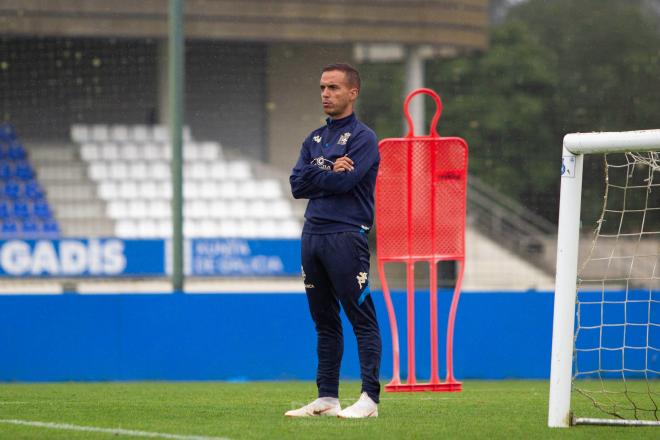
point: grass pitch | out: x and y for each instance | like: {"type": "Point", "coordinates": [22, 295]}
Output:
{"type": "Point", "coordinates": [502, 409]}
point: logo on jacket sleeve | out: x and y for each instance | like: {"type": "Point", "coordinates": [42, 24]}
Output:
{"type": "Point", "coordinates": [361, 278]}
{"type": "Point", "coordinates": [322, 162]}
{"type": "Point", "coordinates": [343, 138]}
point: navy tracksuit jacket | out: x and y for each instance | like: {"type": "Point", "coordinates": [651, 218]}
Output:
{"type": "Point", "coordinates": [335, 250]}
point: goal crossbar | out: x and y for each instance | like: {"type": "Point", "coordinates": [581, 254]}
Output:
{"type": "Point", "coordinates": [575, 146]}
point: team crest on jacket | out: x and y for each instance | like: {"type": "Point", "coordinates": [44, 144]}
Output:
{"type": "Point", "coordinates": [343, 138]}
{"type": "Point", "coordinates": [322, 163]}
{"type": "Point", "coordinates": [317, 139]}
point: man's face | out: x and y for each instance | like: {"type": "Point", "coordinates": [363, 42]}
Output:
{"type": "Point", "coordinates": [337, 96]}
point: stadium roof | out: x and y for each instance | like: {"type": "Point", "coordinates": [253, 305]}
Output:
{"type": "Point", "coordinates": [443, 23]}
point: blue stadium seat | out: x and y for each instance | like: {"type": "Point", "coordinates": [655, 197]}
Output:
{"type": "Point", "coordinates": [30, 227]}
{"type": "Point", "coordinates": [24, 170]}
{"type": "Point", "coordinates": [5, 209]}
{"type": "Point", "coordinates": [42, 210]}
{"type": "Point", "coordinates": [16, 152]}
{"type": "Point", "coordinates": [21, 210]}
{"type": "Point", "coordinates": [33, 190]}
{"type": "Point", "coordinates": [7, 132]}
{"type": "Point", "coordinates": [9, 227]}
{"type": "Point", "coordinates": [6, 170]}
{"type": "Point", "coordinates": [51, 228]}
{"type": "Point", "coordinates": [12, 190]}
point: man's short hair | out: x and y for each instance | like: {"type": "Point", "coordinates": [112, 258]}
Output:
{"type": "Point", "coordinates": [352, 75]}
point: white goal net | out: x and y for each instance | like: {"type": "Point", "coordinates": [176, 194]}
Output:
{"type": "Point", "coordinates": [605, 366]}
{"type": "Point", "coordinates": [616, 360]}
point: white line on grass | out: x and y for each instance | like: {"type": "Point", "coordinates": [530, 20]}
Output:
{"type": "Point", "coordinates": [68, 427]}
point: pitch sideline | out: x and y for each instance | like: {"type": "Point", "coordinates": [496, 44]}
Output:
{"type": "Point", "coordinates": [69, 427]}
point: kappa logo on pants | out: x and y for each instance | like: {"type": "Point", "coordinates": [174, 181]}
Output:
{"type": "Point", "coordinates": [361, 278]}
{"type": "Point", "coordinates": [307, 285]}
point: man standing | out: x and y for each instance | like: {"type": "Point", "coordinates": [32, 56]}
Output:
{"type": "Point", "coordinates": [337, 171]}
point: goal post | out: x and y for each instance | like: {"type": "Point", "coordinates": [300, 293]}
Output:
{"type": "Point", "coordinates": [575, 147]}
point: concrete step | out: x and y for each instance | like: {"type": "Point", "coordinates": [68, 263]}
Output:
{"type": "Point", "coordinates": [88, 227]}
{"type": "Point", "coordinates": [64, 172]}
{"type": "Point", "coordinates": [69, 191]}
{"type": "Point", "coordinates": [48, 155]}
{"type": "Point", "coordinates": [90, 210]}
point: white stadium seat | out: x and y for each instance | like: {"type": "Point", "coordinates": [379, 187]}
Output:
{"type": "Point", "coordinates": [138, 170]}
{"type": "Point", "coordinates": [108, 190]}
{"type": "Point", "coordinates": [218, 171]}
{"type": "Point", "coordinates": [98, 171]}
{"type": "Point", "coordinates": [228, 190]}
{"type": "Point", "coordinates": [151, 151]}
{"type": "Point", "coordinates": [209, 190]}
{"type": "Point", "coordinates": [117, 209]}
{"type": "Point", "coordinates": [128, 190]}
{"type": "Point", "coordinates": [161, 133]}
{"type": "Point", "coordinates": [126, 229]}
{"type": "Point", "coordinates": [229, 228]}
{"type": "Point", "coordinates": [164, 228]}
{"type": "Point", "coordinates": [140, 133]}
{"type": "Point", "coordinates": [119, 133]}
{"type": "Point", "coordinates": [137, 209]}
{"type": "Point", "coordinates": [99, 133]}
{"type": "Point", "coordinates": [79, 133]}
{"type": "Point", "coordinates": [238, 209]}
{"type": "Point", "coordinates": [89, 152]}
{"type": "Point", "coordinates": [160, 209]}
{"type": "Point", "coordinates": [109, 151]}
{"type": "Point", "coordinates": [148, 228]}
{"type": "Point", "coordinates": [218, 209]}
{"type": "Point", "coordinates": [239, 170]}
{"type": "Point", "coordinates": [129, 151]}
{"type": "Point", "coordinates": [118, 170]}
{"type": "Point", "coordinates": [270, 189]}
{"type": "Point", "coordinates": [159, 170]}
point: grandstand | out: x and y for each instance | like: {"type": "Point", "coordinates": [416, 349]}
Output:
{"type": "Point", "coordinates": [24, 208]}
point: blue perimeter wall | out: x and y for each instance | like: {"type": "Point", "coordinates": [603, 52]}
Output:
{"type": "Point", "coordinates": [252, 337]}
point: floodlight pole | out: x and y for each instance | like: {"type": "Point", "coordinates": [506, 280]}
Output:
{"type": "Point", "coordinates": [415, 72]}
{"type": "Point", "coordinates": [176, 74]}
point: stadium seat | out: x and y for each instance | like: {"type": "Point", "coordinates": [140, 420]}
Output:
{"type": "Point", "coordinates": [126, 228]}
{"type": "Point", "coordinates": [130, 152]}
{"type": "Point", "coordinates": [150, 152]}
{"type": "Point", "coordinates": [117, 209]}
{"type": "Point", "coordinates": [149, 190]}
{"type": "Point", "coordinates": [137, 209]}
{"type": "Point", "coordinates": [147, 228]}
{"type": "Point", "coordinates": [128, 190]}
{"type": "Point", "coordinates": [110, 151]}
{"type": "Point", "coordinates": [119, 170]}
{"type": "Point", "coordinates": [24, 170]}
{"type": "Point", "coordinates": [5, 209]}
{"type": "Point", "coordinates": [239, 170]}
{"type": "Point", "coordinates": [89, 152]}
{"type": "Point", "coordinates": [271, 189]}
{"type": "Point", "coordinates": [140, 133]}
{"type": "Point", "coordinates": [190, 189]}
{"type": "Point", "coordinates": [161, 133]}
{"type": "Point", "coordinates": [41, 210]}
{"type": "Point", "coordinates": [9, 227]}
{"type": "Point", "coordinates": [79, 133]}
{"type": "Point", "coordinates": [119, 133]}
{"type": "Point", "coordinates": [33, 190]}
{"type": "Point", "coordinates": [228, 190]}
{"type": "Point", "coordinates": [98, 171]}
{"type": "Point", "coordinates": [108, 190]}
{"type": "Point", "coordinates": [30, 228]}
{"type": "Point", "coordinates": [138, 170]}
{"type": "Point", "coordinates": [159, 171]}
{"type": "Point", "coordinates": [209, 190]}
{"type": "Point", "coordinates": [229, 228]}
{"type": "Point", "coordinates": [98, 133]}
{"type": "Point", "coordinates": [159, 209]}
{"type": "Point", "coordinates": [16, 152]}
{"type": "Point", "coordinates": [164, 228]}
{"type": "Point", "coordinates": [12, 190]}
{"type": "Point", "coordinates": [51, 228]}
{"type": "Point", "coordinates": [6, 171]}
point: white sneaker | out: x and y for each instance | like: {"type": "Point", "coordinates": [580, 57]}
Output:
{"type": "Point", "coordinates": [323, 406]}
{"type": "Point", "coordinates": [364, 407]}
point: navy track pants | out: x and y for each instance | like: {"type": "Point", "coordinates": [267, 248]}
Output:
{"type": "Point", "coordinates": [336, 270]}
